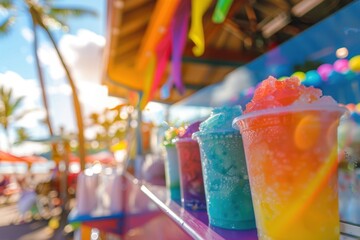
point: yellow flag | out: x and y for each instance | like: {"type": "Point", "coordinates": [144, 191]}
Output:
{"type": "Point", "coordinates": [148, 80]}
{"type": "Point", "coordinates": [196, 34]}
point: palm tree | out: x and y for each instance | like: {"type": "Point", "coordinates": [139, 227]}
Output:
{"type": "Point", "coordinates": [4, 28]}
{"type": "Point", "coordinates": [41, 78]}
{"type": "Point", "coordinates": [45, 15]}
{"type": "Point", "coordinates": [9, 106]}
{"type": "Point", "coordinates": [22, 135]}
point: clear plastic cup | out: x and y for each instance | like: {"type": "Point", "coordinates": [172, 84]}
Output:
{"type": "Point", "coordinates": [172, 173]}
{"type": "Point", "coordinates": [291, 155]}
{"type": "Point", "coordinates": [191, 177]}
{"type": "Point", "coordinates": [226, 181]}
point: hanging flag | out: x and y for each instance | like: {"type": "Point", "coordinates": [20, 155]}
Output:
{"type": "Point", "coordinates": [179, 32]}
{"type": "Point", "coordinates": [221, 10]}
{"type": "Point", "coordinates": [196, 34]}
{"type": "Point", "coordinates": [158, 25]}
{"type": "Point", "coordinates": [163, 51]}
{"type": "Point", "coordinates": [148, 79]}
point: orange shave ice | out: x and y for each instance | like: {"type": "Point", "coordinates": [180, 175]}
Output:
{"type": "Point", "coordinates": [290, 139]}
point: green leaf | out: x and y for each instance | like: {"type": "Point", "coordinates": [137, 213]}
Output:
{"type": "Point", "coordinates": [22, 135]}
{"type": "Point", "coordinates": [6, 4]}
{"type": "Point", "coordinates": [75, 12]}
{"type": "Point", "coordinates": [5, 26]}
{"type": "Point", "coordinates": [52, 22]}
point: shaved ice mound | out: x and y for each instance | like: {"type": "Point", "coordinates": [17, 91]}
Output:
{"type": "Point", "coordinates": [273, 93]}
{"type": "Point", "coordinates": [274, 97]}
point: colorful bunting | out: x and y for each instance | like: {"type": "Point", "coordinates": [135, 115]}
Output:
{"type": "Point", "coordinates": [221, 10]}
{"type": "Point", "coordinates": [159, 22]}
{"type": "Point", "coordinates": [148, 79]}
{"type": "Point", "coordinates": [196, 34]}
{"type": "Point", "coordinates": [179, 37]}
{"type": "Point", "coordinates": [163, 51]}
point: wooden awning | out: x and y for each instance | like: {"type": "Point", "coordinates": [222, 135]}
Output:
{"type": "Point", "coordinates": [241, 37]}
{"type": "Point", "coordinates": [127, 25]}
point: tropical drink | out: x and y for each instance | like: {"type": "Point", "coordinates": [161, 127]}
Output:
{"type": "Point", "coordinates": [226, 181]}
{"type": "Point", "coordinates": [172, 163]}
{"type": "Point", "coordinates": [191, 177]}
{"type": "Point", "coordinates": [290, 140]}
{"type": "Point", "coordinates": [172, 173]}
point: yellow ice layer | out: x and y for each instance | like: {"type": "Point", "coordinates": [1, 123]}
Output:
{"type": "Point", "coordinates": [288, 223]}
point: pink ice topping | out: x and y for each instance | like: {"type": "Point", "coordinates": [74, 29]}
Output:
{"type": "Point", "coordinates": [273, 93]}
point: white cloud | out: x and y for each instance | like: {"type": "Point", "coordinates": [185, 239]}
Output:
{"type": "Point", "coordinates": [21, 87]}
{"type": "Point", "coordinates": [82, 53]}
{"type": "Point", "coordinates": [29, 89]}
{"type": "Point", "coordinates": [94, 98]}
{"type": "Point", "coordinates": [27, 34]}
{"type": "Point", "coordinates": [3, 12]}
{"type": "Point", "coordinates": [29, 59]}
{"type": "Point", "coordinates": [48, 57]}
{"type": "Point", "coordinates": [32, 119]}
{"type": "Point", "coordinates": [61, 89]}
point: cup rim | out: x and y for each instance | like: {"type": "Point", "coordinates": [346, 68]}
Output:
{"type": "Point", "coordinates": [289, 108]}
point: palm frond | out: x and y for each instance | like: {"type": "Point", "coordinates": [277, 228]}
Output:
{"type": "Point", "coordinates": [52, 22]}
{"type": "Point", "coordinates": [22, 135]}
{"type": "Point", "coordinates": [5, 26]}
{"type": "Point", "coordinates": [17, 103]}
{"type": "Point", "coordinates": [71, 12]}
{"type": "Point", "coordinates": [7, 4]}
{"type": "Point", "coordinates": [5, 94]}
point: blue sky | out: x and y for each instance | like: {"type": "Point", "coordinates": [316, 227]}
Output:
{"type": "Point", "coordinates": [14, 48]}
{"type": "Point", "coordinates": [17, 68]}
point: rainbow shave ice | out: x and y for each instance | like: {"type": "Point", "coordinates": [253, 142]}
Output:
{"type": "Point", "coordinates": [290, 140]}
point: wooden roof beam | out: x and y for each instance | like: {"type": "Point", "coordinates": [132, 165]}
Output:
{"type": "Point", "coordinates": [136, 20]}
{"type": "Point", "coordinates": [219, 57]}
{"type": "Point", "coordinates": [130, 5]}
